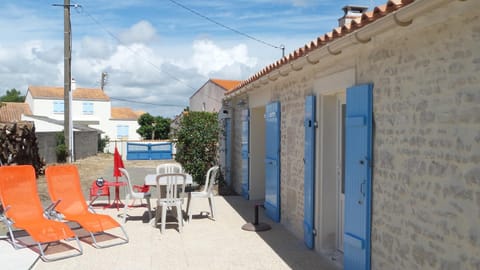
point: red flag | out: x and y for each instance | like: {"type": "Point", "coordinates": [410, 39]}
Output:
{"type": "Point", "coordinates": [117, 163]}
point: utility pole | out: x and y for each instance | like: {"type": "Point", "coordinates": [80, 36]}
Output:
{"type": "Point", "coordinates": [67, 76]}
{"type": "Point", "coordinates": [103, 80]}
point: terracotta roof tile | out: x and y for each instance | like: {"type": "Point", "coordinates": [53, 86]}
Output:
{"type": "Point", "coordinates": [226, 84]}
{"type": "Point", "coordinates": [123, 113]}
{"type": "Point", "coordinates": [139, 113]}
{"type": "Point", "coordinates": [12, 111]}
{"type": "Point", "coordinates": [90, 94]}
{"type": "Point", "coordinates": [78, 94]}
{"type": "Point", "coordinates": [336, 33]}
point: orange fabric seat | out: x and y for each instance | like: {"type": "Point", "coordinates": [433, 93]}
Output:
{"type": "Point", "coordinates": [19, 196]}
{"type": "Point", "coordinates": [64, 186]}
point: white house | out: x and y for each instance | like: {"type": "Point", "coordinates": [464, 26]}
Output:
{"type": "Point", "coordinates": [208, 98]}
{"type": "Point", "coordinates": [46, 129]}
{"type": "Point", "coordinates": [90, 106]}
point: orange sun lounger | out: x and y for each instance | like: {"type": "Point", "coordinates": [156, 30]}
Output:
{"type": "Point", "coordinates": [64, 186]}
{"type": "Point", "coordinates": [23, 210]}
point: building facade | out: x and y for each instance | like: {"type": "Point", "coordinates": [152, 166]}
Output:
{"type": "Point", "coordinates": [365, 143]}
{"type": "Point", "coordinates": [90, 107]}
{"type": "Point", "coordinates": [208, 98]}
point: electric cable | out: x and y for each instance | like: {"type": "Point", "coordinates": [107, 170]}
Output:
{"type": "Point", "coordinates": [281, 47]}
{"type": "Point", "coordinates": [80, 9]}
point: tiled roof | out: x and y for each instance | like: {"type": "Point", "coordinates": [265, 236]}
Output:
{"type": "Point", "coordinates": [123, 113]}
{"type": "Point", "coordinates": [139, 113]}
{"type": "Point", "coordinates": [78, 94]}
{"type": "Point", "coordinates": [226, 84]}
{"type": "Point", "coordinates": [337, 33]}
{"type": "Point", "coordinates": [12, 111]}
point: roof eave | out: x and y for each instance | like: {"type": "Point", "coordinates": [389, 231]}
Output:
{"type": "Point", "coordinates": [399, 13]}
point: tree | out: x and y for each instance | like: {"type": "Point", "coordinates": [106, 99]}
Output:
{"type": "Point", "coordinates": [12, 95]}
{"type": "Point", "coordinates": [153, 127]}
{"type": "Point", "coordinates": [197, 142]}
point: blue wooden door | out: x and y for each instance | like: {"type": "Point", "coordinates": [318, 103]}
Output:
{"type": "Point", "coordinates": [309, 173]}
{"type": "Point", "coordinates": [272, 161]}
{"type": "Point", "coordinates": [358, 177]}
{"type": "Point", "coordinates": [245, 153]}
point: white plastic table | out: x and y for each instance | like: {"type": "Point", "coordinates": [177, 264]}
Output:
{"type": "Point", "coordinates": [151, 180]}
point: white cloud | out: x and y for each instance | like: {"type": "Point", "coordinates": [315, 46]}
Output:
{"type": "Point", "coordinates": [209, 58]}
{"type": "Point", "coordinates": [141, 32]}
{"type": "Point", "coordinates": [91, 47]}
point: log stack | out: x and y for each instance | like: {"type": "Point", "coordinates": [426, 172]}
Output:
{"type": "Point", "coordinates": [18, 145]}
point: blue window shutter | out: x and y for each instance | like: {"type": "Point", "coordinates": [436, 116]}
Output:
{"type": "Point", "coordinates": [245, 153]}
{"type": "Point", "coordinates": [272, 161]}
{"type": "Point", "coordinates": [358, 177]}
{"type": "Point", "coordinates": [309, 173]}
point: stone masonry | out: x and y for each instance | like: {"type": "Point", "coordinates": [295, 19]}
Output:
{"type": "Point", "coordinates": [426, 183]}
{"type": "Point", "coordinates": [426, 174]}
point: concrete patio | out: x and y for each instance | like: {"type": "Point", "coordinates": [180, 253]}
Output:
{"type": "Point", "coordinates": [203, 244]}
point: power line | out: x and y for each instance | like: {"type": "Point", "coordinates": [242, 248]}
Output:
{"type": "Point", "coordinates": [147, 103]}
{"type": "Point", "coordinates": [80, 9]}
{"type": "Point", "coordinates": [282, 47]}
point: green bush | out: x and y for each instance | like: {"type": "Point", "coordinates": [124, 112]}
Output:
{"type": "Point", "coordinates": [102, 143]}
{"type": "Point", "coordinates": [61, 149]}
{"type": "Point", "coordinates": [62, 153]}
{"type": "Point", "coordinates": [197, 142]}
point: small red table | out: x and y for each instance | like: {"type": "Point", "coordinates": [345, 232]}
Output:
{"type": "Point", "coordinates": [117, 203]}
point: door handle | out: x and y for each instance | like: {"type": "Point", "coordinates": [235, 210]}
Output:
{"type": "Point", "coordinates": [362, 187]}
{"type": "Point", "coordinates": [362, 191]}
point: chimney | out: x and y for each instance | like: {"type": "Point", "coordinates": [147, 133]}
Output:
{"type": "Point", "coordinates": [351, 13]}
{"type": "Point", "coordinates": [73, 85]}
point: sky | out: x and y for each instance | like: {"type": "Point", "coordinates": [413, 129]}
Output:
{"type": "Point", "coordinates": [156, 53]}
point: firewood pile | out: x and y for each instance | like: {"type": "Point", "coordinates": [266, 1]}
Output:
{"type": "Point", "coordinates": [18, 145]}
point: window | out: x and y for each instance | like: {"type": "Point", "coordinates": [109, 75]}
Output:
{"type": "Point", "coordinates": [87, 108]}
{"type": "Point", "coordinates": [58, 106]}
{"type": "Point", "coordinates": [122, 132]}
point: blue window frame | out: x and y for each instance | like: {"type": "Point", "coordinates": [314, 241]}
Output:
{"type": "Point", "coordinates": [122, 132]}
{"type": "Point", "coordinates": [87, 108]}
{"type": "Point", "coordinates": [58, 106]}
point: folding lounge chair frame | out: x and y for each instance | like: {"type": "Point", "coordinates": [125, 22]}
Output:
{"type": "Point", "coordinates": [64, 186]}
{"type": "Point", "coordinates": [26, 212]}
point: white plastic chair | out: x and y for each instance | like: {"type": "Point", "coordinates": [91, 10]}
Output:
{"type": "Point", "coordinates": [169, 168]}
{"type": "Point", "coordinates": [207, 192]}
{"type": "Point", "coordinates": [131, 194]}
{"type": "Point", "coordinates": [171, 200]}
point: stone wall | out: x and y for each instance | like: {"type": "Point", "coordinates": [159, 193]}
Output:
{"type": "Point", "coordinates": [426, 176]}
{"type": "Point", "coordinates": [426, 182]}
{"type": "Point", "coordinates": [291, 94]}
{"type": "Point", "coordinates": [86, 145]}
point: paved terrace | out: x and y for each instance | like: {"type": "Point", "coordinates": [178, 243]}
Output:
{"type": "Point", "coordinates": [204, 244]}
